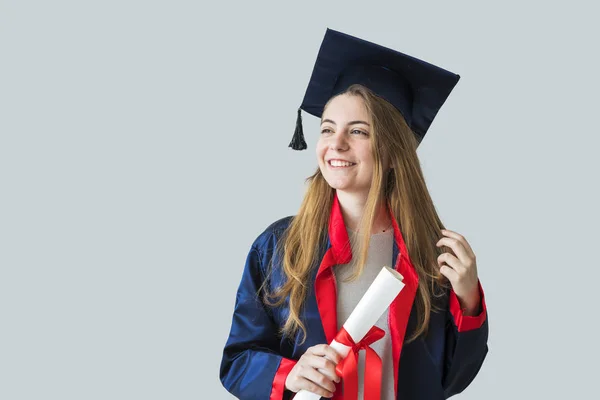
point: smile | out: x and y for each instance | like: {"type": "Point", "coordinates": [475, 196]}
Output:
{"type": "Point", "coordinates": [340, 164]}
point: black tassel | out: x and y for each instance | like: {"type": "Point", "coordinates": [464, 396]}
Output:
{"type": "Point", "coordinates": [298, 142]}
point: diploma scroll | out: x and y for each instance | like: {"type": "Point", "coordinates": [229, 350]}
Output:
{"type": "Point", "coordinates": [384, 289]}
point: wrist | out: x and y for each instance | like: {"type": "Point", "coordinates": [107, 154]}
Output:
{"type": "Point", "coordinates": [472, 305]}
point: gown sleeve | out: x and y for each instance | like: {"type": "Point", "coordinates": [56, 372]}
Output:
{"type": "Point", "coordinates": [251, 367]}
{"type": "Point", "coordinates": [466, 345]}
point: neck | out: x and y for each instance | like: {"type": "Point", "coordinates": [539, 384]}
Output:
{"type": "Point", "coordinates": [353, 206]}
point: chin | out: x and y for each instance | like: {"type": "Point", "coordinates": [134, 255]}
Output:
{"type": "Point", "coordinates": [339, 185]}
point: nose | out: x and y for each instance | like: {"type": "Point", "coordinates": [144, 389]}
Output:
{"type": "Point", "coordinates": [338, 142]}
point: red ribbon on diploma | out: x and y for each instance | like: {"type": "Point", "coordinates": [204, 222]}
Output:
{"type": "Point", "coordinates": [348, 367]}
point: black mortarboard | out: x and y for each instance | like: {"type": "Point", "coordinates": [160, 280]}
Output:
{"type": "Point", "coordinates": [416, 88]}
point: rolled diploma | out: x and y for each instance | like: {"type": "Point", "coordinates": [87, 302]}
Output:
{"type": "Point", "coordinates": [378, 297]}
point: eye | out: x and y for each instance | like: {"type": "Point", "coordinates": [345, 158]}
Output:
{"type": "Point", "coordinates": [353, 131]}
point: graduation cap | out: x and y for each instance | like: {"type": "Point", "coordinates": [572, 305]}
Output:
{"type": "Point", "coordinates": [416, 88]}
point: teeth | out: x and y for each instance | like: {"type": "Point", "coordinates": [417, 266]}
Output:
{"type": "Point", "coordinates": [336, 163]}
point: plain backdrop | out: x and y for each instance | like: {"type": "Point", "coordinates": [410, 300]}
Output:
{"type": "Point", "coordinates": [143, 147]}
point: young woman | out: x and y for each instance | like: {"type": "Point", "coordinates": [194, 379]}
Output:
{"type": "Point", "coordinates": [367, 205]}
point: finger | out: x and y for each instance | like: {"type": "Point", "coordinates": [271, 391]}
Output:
{"type": "Point", "coordinates": [325, 366]}
{"type": "Point", "coordinates": [327, 351]}
{"type": "Point", "coordinates": [449, 273]}
{"type": "Point", "coordinates": [318, 378]}
{"type": "Point", "coordinates": [318, 349]}
{"type": "Point", "coordinates": [306, 384]}
{"type": "Point", "coordinates": [457, 247]}
{"type": "Point", "coordinates": [461, 239]}
{"type": "Point", "coordinates": [451, 261]}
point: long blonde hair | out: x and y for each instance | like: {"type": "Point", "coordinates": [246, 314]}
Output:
{"type": "Point", "coordinates": [403, 188]}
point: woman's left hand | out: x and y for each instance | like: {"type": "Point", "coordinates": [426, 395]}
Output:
{"type": "Point", "coordinates": [461, 270]}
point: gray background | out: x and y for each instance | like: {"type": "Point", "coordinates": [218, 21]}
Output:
{"type": "Point", "coordinates": [144, 146]}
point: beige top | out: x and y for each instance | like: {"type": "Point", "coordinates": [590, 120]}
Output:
{"type": "Point", "coordinates": [350, 293]}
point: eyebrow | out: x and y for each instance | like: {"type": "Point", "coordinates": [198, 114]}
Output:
{"type": "Point", "coordinates": [349, 123]}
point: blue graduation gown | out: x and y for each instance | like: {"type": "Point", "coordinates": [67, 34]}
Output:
{"type": "Point", "coordinates": [256, 359]}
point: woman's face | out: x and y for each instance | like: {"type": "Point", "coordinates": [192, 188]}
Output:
{"type": "Point", "coordinates": [344, 146]}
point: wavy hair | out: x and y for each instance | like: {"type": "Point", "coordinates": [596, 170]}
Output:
{"type": "Point", "coordinates": [402, 188]}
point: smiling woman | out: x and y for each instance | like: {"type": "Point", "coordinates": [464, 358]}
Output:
{"type": "Point", "coordinates": [305, 273]}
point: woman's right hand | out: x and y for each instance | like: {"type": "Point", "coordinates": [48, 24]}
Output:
{"type": "Point", "coordinates": [315, 371]}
